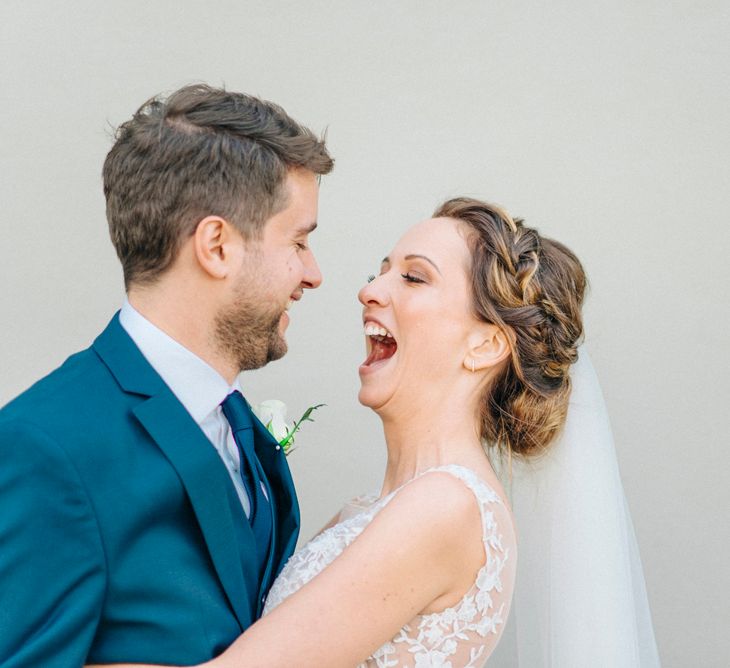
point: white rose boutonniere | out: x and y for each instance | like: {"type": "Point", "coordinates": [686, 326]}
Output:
{"type": "Point", "coordinates": [272, 413]}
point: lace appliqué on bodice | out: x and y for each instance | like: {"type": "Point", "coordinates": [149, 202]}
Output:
{"type": "Point", "coordinates": [462, 636]}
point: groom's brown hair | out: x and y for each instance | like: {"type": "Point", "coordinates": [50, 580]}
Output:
{"type": "Point", "coordinates": [202, 151]}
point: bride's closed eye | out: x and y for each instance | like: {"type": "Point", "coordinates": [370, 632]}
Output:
{"type": "Point", "coordinates": [411, 278]}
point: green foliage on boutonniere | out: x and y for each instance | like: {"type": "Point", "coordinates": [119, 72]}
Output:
{"type": "Point", "coordinates": [273, 414]}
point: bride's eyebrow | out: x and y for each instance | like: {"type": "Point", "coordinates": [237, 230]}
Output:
{"type": "Point", "coordinates": [415, 256]}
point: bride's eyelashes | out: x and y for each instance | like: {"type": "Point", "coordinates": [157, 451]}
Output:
{"type": "Point", "coordinates": [410, 278]}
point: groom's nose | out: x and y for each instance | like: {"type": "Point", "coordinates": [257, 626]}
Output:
{"type": "Point", "coordinates": [312, 275]}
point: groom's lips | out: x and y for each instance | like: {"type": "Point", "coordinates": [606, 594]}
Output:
{"type": "Point", "coordinates": [293, 297]}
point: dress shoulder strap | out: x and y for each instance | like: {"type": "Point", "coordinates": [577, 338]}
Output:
{"type": "Point", "coordinates": [484, 492]}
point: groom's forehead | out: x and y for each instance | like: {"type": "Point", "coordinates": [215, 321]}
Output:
{"type": "Point", "coordinates": [298, 215]}
{"type": "Point", "coordinates": [291, 226]}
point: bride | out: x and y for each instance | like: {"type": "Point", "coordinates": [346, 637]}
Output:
{"type": "Point", "coordinates": [472, 326]}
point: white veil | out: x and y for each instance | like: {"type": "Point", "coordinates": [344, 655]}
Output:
{"type": "Point", "coordinates": [580, 598]}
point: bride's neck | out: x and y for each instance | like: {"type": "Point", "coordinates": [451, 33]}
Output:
{"type": "Point", "coordinates": [424, 439]}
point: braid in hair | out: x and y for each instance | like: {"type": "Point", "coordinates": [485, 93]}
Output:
{"type": "Point", "coordinates": [532, 288]}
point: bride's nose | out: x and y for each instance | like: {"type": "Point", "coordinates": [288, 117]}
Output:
{"type": "Point", "coordinates": [373, 292]}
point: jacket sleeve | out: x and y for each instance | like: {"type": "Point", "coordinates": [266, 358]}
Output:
{"type": "Point", "coordinates": [52, 566]}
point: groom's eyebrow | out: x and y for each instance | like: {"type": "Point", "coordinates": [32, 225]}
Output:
{"type": "Point", "coordinates": [307, 229]}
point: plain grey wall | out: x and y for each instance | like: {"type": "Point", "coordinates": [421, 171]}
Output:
{"type": "Point", "coordinates": [605, 124]}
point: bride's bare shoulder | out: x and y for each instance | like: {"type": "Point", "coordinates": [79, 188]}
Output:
{"type": "Point", "coordinates": [436, 503]}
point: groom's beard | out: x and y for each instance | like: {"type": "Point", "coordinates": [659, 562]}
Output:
{"type": "Point", "coordinates": [248, 332]}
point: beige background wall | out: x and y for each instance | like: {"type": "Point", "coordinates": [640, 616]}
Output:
{"type": "Point", "coordinates": [603, 123]}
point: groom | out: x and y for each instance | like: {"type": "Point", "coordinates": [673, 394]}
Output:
{"type": "Point", "coordinates": [143, 511]}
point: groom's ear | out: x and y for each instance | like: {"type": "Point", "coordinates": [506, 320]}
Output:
{"type": "Point", "coordinates": [215, 244]}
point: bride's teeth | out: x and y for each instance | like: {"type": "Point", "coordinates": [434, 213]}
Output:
{"type": "Point", "coordinates": [371, 329]}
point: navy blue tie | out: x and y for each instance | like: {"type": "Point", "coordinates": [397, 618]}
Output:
{"type": "Point", "coordinates": [239, 417]}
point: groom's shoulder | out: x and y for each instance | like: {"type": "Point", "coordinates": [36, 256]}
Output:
{"type": "Point", "coordinates": [77, 371]}
{"type": "Point", "coordinates": [65, 398]}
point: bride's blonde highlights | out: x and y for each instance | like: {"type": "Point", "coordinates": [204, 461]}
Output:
{"type": "Point", "coordinates": [532, 288]}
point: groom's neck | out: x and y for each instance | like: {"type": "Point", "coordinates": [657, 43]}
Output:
{"type": "Point", "coordinates": [186, 318]}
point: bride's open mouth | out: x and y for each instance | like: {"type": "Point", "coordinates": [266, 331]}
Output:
{"type": "Point", "coordinates": [381, 344]}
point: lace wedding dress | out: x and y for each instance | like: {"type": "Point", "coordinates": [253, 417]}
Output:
{"type": "Point", "coordinates": [460, 636]}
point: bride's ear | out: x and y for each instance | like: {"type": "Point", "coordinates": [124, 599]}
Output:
{"type": "Point", "coordinates": [488, 347]}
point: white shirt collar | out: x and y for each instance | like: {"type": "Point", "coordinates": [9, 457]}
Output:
{"type": "Point", "coordinates": [196, 384]}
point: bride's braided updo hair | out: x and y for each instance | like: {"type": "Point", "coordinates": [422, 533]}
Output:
{"type": "Point", "coordinates": [532, 288]}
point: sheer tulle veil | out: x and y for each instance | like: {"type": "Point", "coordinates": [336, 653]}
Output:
{"type": "Point", "coordinates": [580, 598]}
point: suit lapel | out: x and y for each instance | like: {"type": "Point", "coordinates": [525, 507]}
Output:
{"type": "Point", "coordinates": [199, 467]}
{"type": "Point", "coordinates": [211, 493]}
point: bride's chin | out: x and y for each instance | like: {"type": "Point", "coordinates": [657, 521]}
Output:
{"type": "Point", "coordinates": [371, 397]}
{"type": "Point", "coordinates": [364, 398]}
